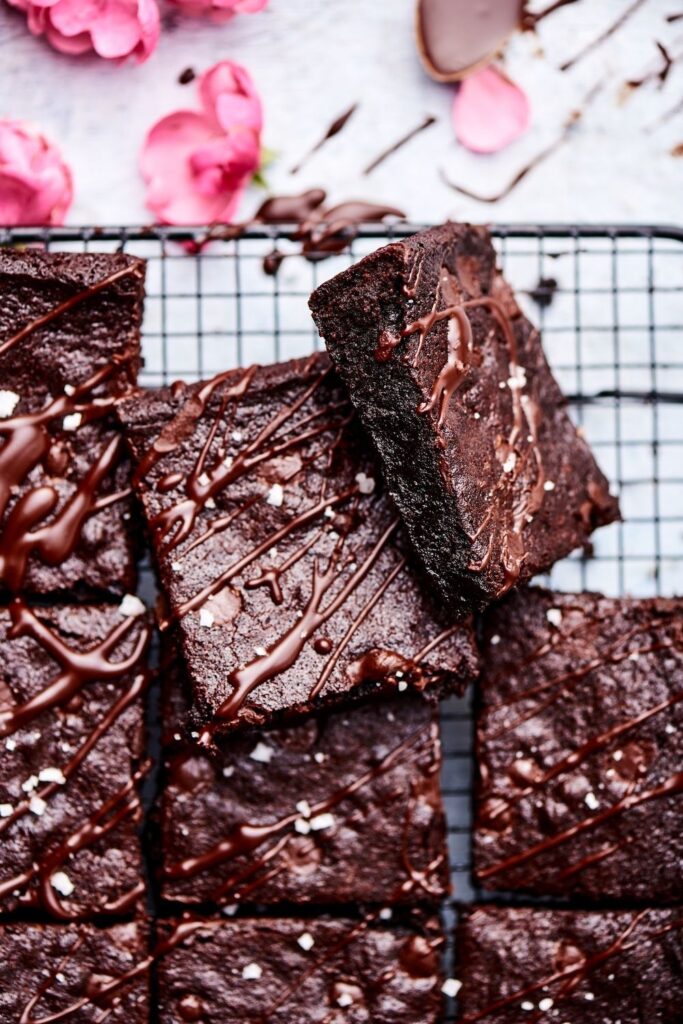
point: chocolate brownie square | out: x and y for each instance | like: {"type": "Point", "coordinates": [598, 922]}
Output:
{"type": "Point", "coordinates": [288, 815]}
{"type": "Point", "coordinates": [580, 747]}
{"type": "Point", "coordinates": [69, 344]}
{"type": "Point", "coordinates": [449, 377]}
{"type": "Point", "coordinates": [282, 971]}
{"type": "Point", "coordinates": [76, 973]}
{"type": "Point", "coordinates": [71, 738]}
{"type": "Point", "coordinates": [552, 966]}
{"type": "Point", "coordinates": [279, 551]}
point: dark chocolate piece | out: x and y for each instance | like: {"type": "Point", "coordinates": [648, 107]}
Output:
{"type": "Point", "coordinates": [281, 971]}
{"type": "Point", "coordinates": [487, 470]}
{"type": "Point", "coordinates": [69, 344]}
{"type": "Point", "coordinates": [279, 552]}
{"type": "Point", "coordinates": [455, 37]}
{"type": "Point", "coordinates": [551, 966]}
{"type": "Point", "coordinates": [50, 973]}
{"type": "Point", "coordinates": [71, 741]}
{"type": "Point", "coordinates": [291, 815]}
{"type": "Point", "coordinates": [580, 747]}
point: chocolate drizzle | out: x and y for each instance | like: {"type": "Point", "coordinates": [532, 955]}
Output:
{"type": "Point", "coordinates": [334, 129]}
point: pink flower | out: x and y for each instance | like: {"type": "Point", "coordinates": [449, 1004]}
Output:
{"type": "Point", "coordinates": [489, 111]}
{"type": "Point", "coordinates": [221, 10]}
{"type": "Point", "coordinates": [197, 164]}
{"type": "Point", "coordinates": [112, 28]}
{"type": "Point", "coordinates": [35, 184]}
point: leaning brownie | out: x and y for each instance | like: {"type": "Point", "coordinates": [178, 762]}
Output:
{"type": "Point", "coordinates": [279, 552]}
{"type": "Point", "coordinates": [292, 815]}
{"type": "Point", "coordinates": [79, 974]}
{"type": "Point", "coordinates": [580, 747]}
{"type": "Point", "coordinates": [451, 382]}
{"type": "Point", "coordinates": [553, 966]}
{"type": "Point", "coordinates": [69, 343]}
{"type": "Point", "coordinates": [281, 971]}
{"type": "Point", "coordinates": [71, 741]}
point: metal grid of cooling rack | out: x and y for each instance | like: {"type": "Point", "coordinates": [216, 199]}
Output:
{"type": "Point", "coordinates": [613, 334]}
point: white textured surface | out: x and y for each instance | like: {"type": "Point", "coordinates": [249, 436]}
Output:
{"type": "Point", "coordinates": [312, 58]}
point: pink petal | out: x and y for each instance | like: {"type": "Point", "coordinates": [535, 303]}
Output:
{"type": "Point", "coordinates": [225, 78]}
{"type": "Point", "coordinates": [35, 184]}
{"type": "Point", "coordinates": [71, 17]}
{"type": "Point", "coordinates": [489, 111]}
{"type": "Point", "coordinates": [72, 45]}
{"type": "Point", "coordinates": [116, 32]}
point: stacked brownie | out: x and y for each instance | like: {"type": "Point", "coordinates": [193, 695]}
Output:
{"type": "Point", "coordinates": [318, 586]}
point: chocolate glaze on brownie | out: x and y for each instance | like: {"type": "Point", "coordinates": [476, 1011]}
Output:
{"type": "Point", "coordinates": [295, 815]}
{"type": "Point", "coordinates": [50, 973]}
{"type": "Point", "coordinates": [281, 971]}
{"type": "Point", "coordinates": [279, 552]}
{"type": "Point", "coordinates": [549, 966]}
{"type": "Point", "coordinates": [580, 747]}
{"type": "Point", "coordinates": [71, 743]}
{"type": "Point", "coordinates": [69, 343]}
{"type": "Point", "coordinates": [489, 474]}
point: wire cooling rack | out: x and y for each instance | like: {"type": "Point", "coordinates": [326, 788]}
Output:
{"type": "Point", "coordinates": [613, 333]}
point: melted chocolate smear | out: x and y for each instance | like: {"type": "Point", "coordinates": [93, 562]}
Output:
{"type": "Point", "coordinates": [187, 76]}
{"type": "Point", "coordinates": [540, 158]}
{"type": "Point", "coordinates": [272, 262]}
{"type": "Point", "coordinates": [544, 292]}
{"type": "Point", "coordinates": [333, 130]}
{"type": "Point", "coordinates": [659, 74]}
{"type": "Point", "coordinates": [456, 36]}
{"type": "Point", "coordinates": [671, 18]}
{"type": "Point", "coordinates": [604, 36]}
{"type": "Point", "coordinates": [428, 121]}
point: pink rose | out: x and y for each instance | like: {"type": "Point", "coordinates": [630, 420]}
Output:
{"type": "Point", "coordinates": [112, 28]}
{"type": "Point", "coordinates": [221, 10]}
{"type": "Point", "coordinates": [197, 164]}
{"type": "Point", "coordinates": [35, 184]}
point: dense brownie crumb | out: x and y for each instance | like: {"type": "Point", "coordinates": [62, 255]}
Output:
{"type": "Point", "coordinates": [549, 966]}
{"type": "Point", "coordinates": [451, 382]}
{"type": "Point", "coordinates": [294, 815]}
{"type": "Point", "coordinates": [72, 749]}
{"type": "Point", "coordinates": [279, 552]}
{"type": "Point", "coordinates": [338, 971]}
{"type": "Point", "coordinates": [67, 347]}
{"type": "Point", "coordinates": [61, 972]}
{"type": "Point", "coordinates": [580, 747]}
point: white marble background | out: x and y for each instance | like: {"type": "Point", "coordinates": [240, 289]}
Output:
{"type": "Point", "coordinates": [312, 58]}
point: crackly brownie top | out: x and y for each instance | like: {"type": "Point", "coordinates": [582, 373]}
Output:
{"type": "Point", "coordinates": [314, 970]}
{"type": "Point", "coordinates": [580, 747]}
{"type": "Point", "coordinates": [69, 343]}
{"type": "Point", "coordinates": [279, 551]}
{"type": "Point", "coordinates": [70, 736]}
{"type": "Point", "coordinates": [547, 966]}
{"type": "Point", "coordinates": [450, 379]}
{"type": "Point", "coordinates": [290, 815]}
{"type": "Point", "coordinates": [55, 972]}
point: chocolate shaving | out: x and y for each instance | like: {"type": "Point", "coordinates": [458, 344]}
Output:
{"type": "Point", "coordinates": [569, 126]}
{"type": "Point", "coordinates": [428, 121]}
{"type": "Point", "coordinates": [604, 36]}
{"type": "Point", "coordinates": [187, 76]}
{"type": "Point", "coordinates": [544, 292]}
{"type": "Point", "coordinates": [333, 130]}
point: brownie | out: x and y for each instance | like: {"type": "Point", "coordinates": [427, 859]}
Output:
{"type": "Point", "coordinates": [71, 738]}
{"type": "Point", "coordinates": [291, 815]}
{"type": "Point", "coordinates": [69, 344]}
{"type": "Point", "coordinates": [76, 973]}
{"type": "Point", "coordinates": [306, 970]}
{"type": "Point", "coordinates": [619, 967]}
{"type": "Point", "coordinates": [279, 551]}
{"type": "Point", "coordinates": [580, 747]}
{"type": "Point", "coordinates": [449, 377]}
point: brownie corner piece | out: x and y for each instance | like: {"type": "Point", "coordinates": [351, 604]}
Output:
{"type": "Point", "coordinates": [304, 970]}
{"type": "Point", "coordinates": [71, 733]}
{"type": "Point", "coordinates": [580, 966]}
{"type": "Point", "coordinates": [66, 525]}
{"type": "Point", "coordinates": [323, 795]}
{"type": "Point", "coordinates": [280, 554]}
{"type": "Point", "coordinates": [580, 747]}
{"type": "Point", "coordinates": [449, 377]}
{"type": "Point", "coordinates": [72, 972]}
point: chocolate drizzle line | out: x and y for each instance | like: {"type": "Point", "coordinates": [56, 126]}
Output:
{"type": "Point", "coordinates": [604, 36]}
{"type": "Point", "coordinates": [574, 974]}
{"type": "Point", "coordinates": [426, 122]}
{"type": "Point", "coordinates": [333, 130]}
